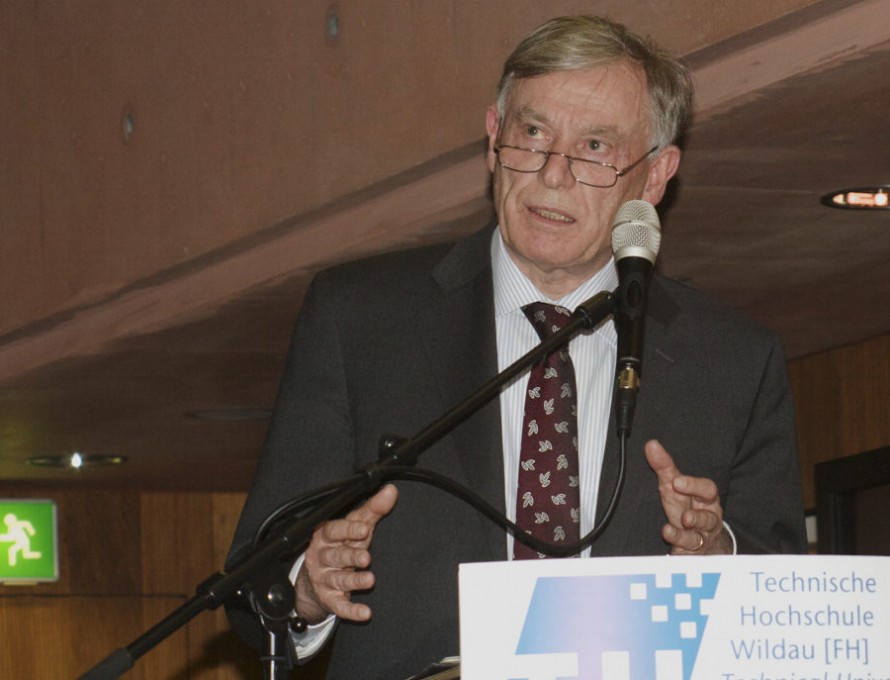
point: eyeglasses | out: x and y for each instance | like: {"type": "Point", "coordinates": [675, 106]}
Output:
{"type": "Point", "coordinates": [591, 173]}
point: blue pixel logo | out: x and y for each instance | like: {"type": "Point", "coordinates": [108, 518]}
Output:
{"type": "Point", "coordinates": [622, 627]}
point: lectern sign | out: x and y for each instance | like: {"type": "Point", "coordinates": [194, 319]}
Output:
{"type": "Point", "coordinates": [28, 541]}
{"type": "Point", "coordinates": [677, 618]}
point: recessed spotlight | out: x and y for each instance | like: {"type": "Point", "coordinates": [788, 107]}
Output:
{"type": "Point", "coordinates": [75, 461]}
{"type": "Point", "coordinates": [864, 198]}
{"type": "Point", "coordinates": [332, 23]}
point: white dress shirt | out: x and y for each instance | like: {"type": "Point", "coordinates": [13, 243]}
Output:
{"type": "Point", "coordinates": [593, 355]}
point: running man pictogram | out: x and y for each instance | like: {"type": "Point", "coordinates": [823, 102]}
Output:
{"type": "Point", "coordinates": [19, 533]}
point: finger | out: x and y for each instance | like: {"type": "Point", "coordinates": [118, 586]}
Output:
{"type": "Point", "coordinates": [337, 602]}
{"type": "Point", "coordinates": [358, 525]}
{"type": "Point", "coordinates": [661, 462]}
{"type": "Point", "coordinates": [341, 557]}
{"type": "Point", "coordinates": [335, 588]}
{"type": "Point", "coordinates": [684, 541]}
{"type": "Point", "coordinates": [345, 580]}
{"type": "Point", "coordinates": [376, 507]}
{"type": "Point", "coordinates": [701, 489]}
{"type": "Point", "coordinates": [348, 610]}
{"type": "Point", "coordinates": [700, 520]}
{"type": "Point", "coordinates": [341, 531]}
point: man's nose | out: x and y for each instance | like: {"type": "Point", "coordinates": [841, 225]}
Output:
{"type": "Point", "coordinates": [557, 171]}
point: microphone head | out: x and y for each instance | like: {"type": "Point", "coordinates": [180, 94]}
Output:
{"type": "Point", "coordinates": [636, 231]}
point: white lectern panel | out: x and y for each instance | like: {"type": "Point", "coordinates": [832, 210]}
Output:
{"type": "Point", "coordinates": [677, 618]}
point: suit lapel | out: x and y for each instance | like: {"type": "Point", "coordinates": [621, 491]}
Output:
{"type": "Point", "coordinates": [458, 332]}
{"type": "Point", "coordinates": [659, 363]}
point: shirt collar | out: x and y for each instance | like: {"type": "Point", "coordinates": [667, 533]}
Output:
{"type": "Point", "coordinates": [513, 290]}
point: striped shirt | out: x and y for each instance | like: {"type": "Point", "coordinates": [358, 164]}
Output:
{"type": "Point", "coordinates": [593, 355]}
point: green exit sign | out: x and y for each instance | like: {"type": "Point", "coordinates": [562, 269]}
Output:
{"type": "Point", "coordinates": [28, 541]}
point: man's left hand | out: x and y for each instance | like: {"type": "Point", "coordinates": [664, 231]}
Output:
{"type": "Point", "coordinates": [692, 506]}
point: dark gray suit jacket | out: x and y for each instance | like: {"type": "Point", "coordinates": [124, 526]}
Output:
{"type": "Point", "coordinates": [388, 344]}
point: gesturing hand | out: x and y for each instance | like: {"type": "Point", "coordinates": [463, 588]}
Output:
{"type": "Point", "coordinates": [692, 506]}
{"type": "Point", "coordinates": [337, 560]}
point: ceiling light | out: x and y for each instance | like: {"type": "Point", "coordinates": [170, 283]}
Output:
{"type": "Point", "coordinates": [75, 461]}
{"type": "Point", "coordinates": [864, 198]}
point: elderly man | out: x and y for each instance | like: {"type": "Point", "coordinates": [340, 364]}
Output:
{"type": "Point", "coordinates": [586, 118]}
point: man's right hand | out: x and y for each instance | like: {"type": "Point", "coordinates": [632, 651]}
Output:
{"type": "Point", "coordinates": [337, 560]}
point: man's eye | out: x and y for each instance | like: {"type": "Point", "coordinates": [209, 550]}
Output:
{"type": "Point", "coordinates": [594, 145]}
{"type": "Point", "coordinates": [532, 130]}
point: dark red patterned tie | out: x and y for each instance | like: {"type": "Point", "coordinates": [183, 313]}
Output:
{"type": "Point", "coordinates": [548, 499]}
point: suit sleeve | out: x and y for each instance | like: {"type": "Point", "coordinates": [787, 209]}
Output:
{"type": "Point", "coordinates": [309, 442]}
{"type": "Point", "coordinates": [764, 504]}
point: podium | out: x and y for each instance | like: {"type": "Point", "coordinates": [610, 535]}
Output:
{"type": "Point", "coordinates": [677, 618]}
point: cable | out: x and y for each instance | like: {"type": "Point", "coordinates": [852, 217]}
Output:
{"type": "Point", "coordinates": [304, 502]}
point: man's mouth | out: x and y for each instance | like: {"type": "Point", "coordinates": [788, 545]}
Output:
{"type": "Point", "coordinates": [551, 215]}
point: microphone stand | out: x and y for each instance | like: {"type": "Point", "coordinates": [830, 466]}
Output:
{"type": "Point", "coordinates": [263, 572]}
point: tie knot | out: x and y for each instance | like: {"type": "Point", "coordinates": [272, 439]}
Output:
{"type": "Point", "coordinates": [547, 319]}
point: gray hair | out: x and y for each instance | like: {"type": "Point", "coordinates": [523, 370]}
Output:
{"type": "Point", "coordinates": [571, 43]}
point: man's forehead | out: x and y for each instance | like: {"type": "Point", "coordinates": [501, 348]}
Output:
{"type": "Point", "coordinates": [601, 100]}
{"type": "Point", "coordinates": [525, 114]}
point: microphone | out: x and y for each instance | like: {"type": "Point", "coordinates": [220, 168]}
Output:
{"type": "Point", "coordinates": [636, 235]}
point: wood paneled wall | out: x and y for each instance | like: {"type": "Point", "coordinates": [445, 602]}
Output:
{"type": "Point", "coordinates": [842, 400]}
{"type": "Point", "coordinates": [128, 560]}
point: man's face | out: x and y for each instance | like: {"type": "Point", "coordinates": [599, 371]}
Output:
{"type": "Point", "coordinates": [557, 230]}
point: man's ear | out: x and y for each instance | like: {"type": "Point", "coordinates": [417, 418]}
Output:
{"type": "Point", "coordinates": [492, 127]}
{"type": "Point", "coordinates": [660, 172]}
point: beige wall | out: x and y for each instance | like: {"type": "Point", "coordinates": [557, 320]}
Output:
{"type": "Point", "coordinates": [244, 113]}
